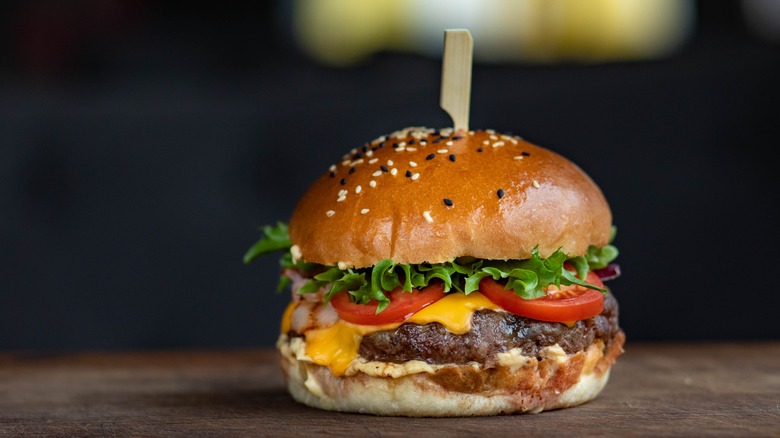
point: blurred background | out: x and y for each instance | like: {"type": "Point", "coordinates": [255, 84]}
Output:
{"type": "Point", "coordinates": [143, 143]}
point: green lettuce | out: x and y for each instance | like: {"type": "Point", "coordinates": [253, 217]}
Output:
{"type": "Point", "coordinates": [527, 278]}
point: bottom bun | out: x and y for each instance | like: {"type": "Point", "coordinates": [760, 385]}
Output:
{"type": "Point", "coordinates": [516, 384]}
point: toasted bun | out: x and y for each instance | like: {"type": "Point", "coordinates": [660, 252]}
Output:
{"type": "Point", "coordinates": [527, 385]}
{"type": "Point", "coordinates": [386, 202]}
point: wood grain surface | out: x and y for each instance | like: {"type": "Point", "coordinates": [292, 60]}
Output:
{"type": "Point", "coordinates": [716, 389]}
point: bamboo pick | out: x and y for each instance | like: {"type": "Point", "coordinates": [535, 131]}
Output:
{"type": "Point", "coordinates": [456, 76]}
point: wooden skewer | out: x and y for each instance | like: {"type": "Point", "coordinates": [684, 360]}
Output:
{"type": "Point", "coordinates": [456, 76]}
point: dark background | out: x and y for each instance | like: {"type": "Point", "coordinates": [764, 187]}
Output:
{"type": "Point", "coordinates": [143, 143]}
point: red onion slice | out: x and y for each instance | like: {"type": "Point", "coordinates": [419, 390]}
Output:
{"type": "Point", "coordinates": [609, 272]}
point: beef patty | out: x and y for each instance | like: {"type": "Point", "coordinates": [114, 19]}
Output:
{"type": "Point", "coordinates": [491, 332]}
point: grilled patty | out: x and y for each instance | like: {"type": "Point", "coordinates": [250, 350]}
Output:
{"type": "Point", "coordinates": [491, 332]}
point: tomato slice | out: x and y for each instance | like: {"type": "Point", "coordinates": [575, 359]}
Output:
{"type": "Point", "coordinates": [402, 305]}
{"type": "Point", "coordinates": [569, 303]}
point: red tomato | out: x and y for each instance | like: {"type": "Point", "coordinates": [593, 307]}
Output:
{"type": "Point", "coordinates": [402, 305]}
{"type": "Point", "coordinates": [569, 303]}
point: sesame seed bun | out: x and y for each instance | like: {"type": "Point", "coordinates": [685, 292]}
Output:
{"type": "Point", "coordinates": [419, 195]}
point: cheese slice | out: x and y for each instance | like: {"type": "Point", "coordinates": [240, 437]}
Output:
{"type": "Point", "coordinates": [337, 346]}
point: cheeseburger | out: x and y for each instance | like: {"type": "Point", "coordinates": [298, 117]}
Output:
{"type": "Point", "coordinates": [442, 273]}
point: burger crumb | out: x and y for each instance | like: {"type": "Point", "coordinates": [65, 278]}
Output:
{"type": "Point", "coordinates": [330, 213]}
{"type": "Point", "coordinates": [536, 184]}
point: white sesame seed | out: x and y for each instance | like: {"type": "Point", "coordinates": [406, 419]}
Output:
{"type": "Point", "coordinates": [353, 151]}
{"type": "Point", "coordinates": [356, 162]}
{"type": "Point", "coordinates": [377, 173]}
{"type": "Point", "coordinates": [536, 184]}
{"type": "Point", "coordinates": [295, 252]}
{"type": "Point", "coordinates": [394, 171]}
{"type": "Point", "coordinates": [330, 213]}
{"type": "Point", "coordinates": [498, 144]}
{"type": "Point", "coordinates": [423, 142]}
{"type": "Point", "coordinates": [364, 211]}
{"type": "Point", "coordinates": [490, 131]}
{"type": "Point", "coordinates": [449, 143]}
{"type": "Point", "coordinates": [373, 160]}
{"type": "Point", "coordinates": [400, 149]}
{"type": "Point", "coordinates": [358, 189]}
{"type": "Point", "coordinates": [372, 183]}
{"type": "Point", "coordinates": [413, 164]}
{"type": "Point", "coordinates": [471, 132]}
{"type": "Point", "coordinates": [486, 142]}
{"type": "Point", "coordinates": [341, 198]}
{"type": "Point", "coordinates": [389, 162]}
{"type": "Point", "coordinates": [401, 144]}
{"type": "Point", "coordinates": [411, 149]}
{"type": "Point", "coordinates": [493, 137]}
{"type": "Point", "coordinates": [345, 163]}
{"type": "Point", "coordinates": [442, 151]}
{"type": "Point", "coordinates": [342, 266]}
{"type": "Point", "coordinates": [369, 153]}
{"type": "Point", "coordinates": [513, 140]}
{"type": "Point", "coordinates": [415, 177]}
{"type": "Point", "coordinates": [332, 168]}
{"type": "Point", "coordinates": [427, 216]}
{"type": "Point", "coordinates": [519, 157]}
{"type": "Point", "coordinates": [343, 192]}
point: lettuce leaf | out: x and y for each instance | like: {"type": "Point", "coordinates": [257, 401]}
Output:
{"type": "Point", "coordinates": [527, 278]}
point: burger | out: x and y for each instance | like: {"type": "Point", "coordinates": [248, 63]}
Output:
{"type": "Point", "coordinates": [447, 273]}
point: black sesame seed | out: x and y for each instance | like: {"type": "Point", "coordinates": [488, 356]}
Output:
{"type": "Point", "coordinates": [365, 148]}
{"type": "Point", "coordinates": [384, 168]}
{"type": "Point", "coordinates": [357, 156]}
{"type": "Point", "coordinates": [351, 170]}
{"type": "Point", "coordinates": [333, 174]}
{"type": "Point", "coordinates": [411, 141]}
{"type": "Point", "coordinates": [500, 193]}
{"type": "Point", "coordinates": [343, 181]}
{"type": "Point", "coordinates": [430, 157]}
{"type": "Point", "coordinates": [395, 145]}
{"type": "Point", "coordinates": [452, 157]}
{"type": "Point", "coordinates": [479, 149]}
{"type": "Point", "coordinates": [457, 137]}
{"type": "Point", "coordinates": [408, 173]}
{"type": "Point", "coordinates": [448, 202]}
{"type": "Point", "coordinates": [525, 154]}
{"type": "Point", "coordinates": [382, 144]}
{"type": "Point", "coordinates": [437, 140]}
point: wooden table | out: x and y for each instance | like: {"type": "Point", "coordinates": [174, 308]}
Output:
{"type": "Point", "coordinates": [722, 389]}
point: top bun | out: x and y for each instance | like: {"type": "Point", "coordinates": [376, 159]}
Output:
{"type": "Point", "coordinates": [420, 195]}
